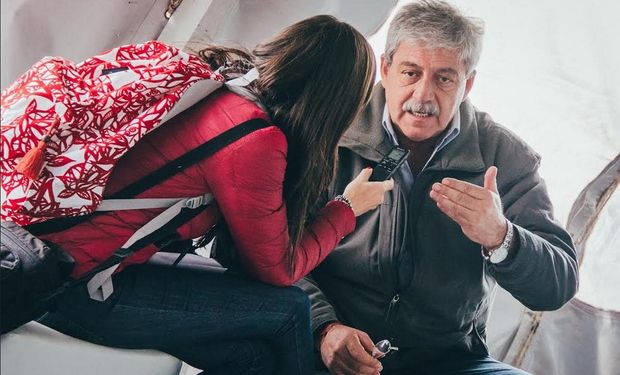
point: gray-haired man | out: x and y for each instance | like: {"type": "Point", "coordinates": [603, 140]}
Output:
{"type": "Point", "coordinates": [469, 211]}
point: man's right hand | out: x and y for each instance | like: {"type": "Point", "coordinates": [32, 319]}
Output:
{"type": "Point", "coordinates": [346, 351]}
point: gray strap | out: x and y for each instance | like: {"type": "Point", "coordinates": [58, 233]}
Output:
{"type": "Point", "coordinates": [238, 86]}
{"type": "Point", "coordinates": [136, 204]}
{"type": "Point", "coordinates": [245, 79]}
{"type": "Point", "coordinates": [100, 286]}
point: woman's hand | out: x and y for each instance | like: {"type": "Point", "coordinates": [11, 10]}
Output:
{"type": "Point", "coordinates": [364, 195]}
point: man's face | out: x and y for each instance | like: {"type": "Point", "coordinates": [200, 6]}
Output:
{"type": "Point", "coordinates": [423, 89]}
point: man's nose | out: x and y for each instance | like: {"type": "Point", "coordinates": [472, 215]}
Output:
{"type": "Point", "coordinates": [424, 90]}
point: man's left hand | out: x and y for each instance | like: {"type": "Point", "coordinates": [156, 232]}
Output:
{"type": "Point", "coordinates": [478, 210]}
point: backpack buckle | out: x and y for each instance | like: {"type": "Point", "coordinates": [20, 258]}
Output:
{"type": "Point", "coordinates": [193, 203]}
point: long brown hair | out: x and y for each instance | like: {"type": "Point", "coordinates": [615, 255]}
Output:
{"type": "Point", "coordinates": [314, 77]}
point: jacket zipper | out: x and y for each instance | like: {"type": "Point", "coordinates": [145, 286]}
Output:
{"type": "Point", "coordinates": [391, 308]}
{"type": "Point", "coordinates": [409, 224]}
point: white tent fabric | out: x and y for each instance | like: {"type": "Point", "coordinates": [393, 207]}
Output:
{"type": "Point", "coordinates": [31, 29]}
{"type": "Point", "coordinates": [580, 338]}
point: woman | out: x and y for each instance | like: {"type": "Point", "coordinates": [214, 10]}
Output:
{"type": "Point", "coordinates": [313, 79]}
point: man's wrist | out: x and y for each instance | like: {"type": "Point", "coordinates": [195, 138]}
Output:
{"type": "Point", "coordinates": [500, 253]}
{"type": "Point", "coordinates": [322, 331]}
{"type": "Point", "coordinates": [501, 237]}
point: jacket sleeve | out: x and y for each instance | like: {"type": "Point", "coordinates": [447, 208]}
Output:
{"type": "Point", "coordinates": [321, 310]}
{"type": "Point", "coordinates": [247, 184]}
{"type": "Point", "coordinates": [542, 272]}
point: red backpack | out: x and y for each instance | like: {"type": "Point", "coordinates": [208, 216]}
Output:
{"type": "Point", "coordinates": [65, 125]}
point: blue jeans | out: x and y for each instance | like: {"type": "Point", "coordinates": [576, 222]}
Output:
{"type": "Point", "coordinates": [221, 323]}
{"type": "Point", "coordinates": [451, 363]}
{"type": "Point", "coordinates": [473, 366]}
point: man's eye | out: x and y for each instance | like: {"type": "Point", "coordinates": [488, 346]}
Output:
{"type": "Point", "coordinates": [408, 77]}
{"type": "Point", "coordinates": [444, 80]}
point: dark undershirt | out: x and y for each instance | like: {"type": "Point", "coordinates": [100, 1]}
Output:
{"type": "Point", "coordinates": [419, 152]}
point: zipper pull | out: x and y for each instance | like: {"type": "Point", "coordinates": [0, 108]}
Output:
{"type": "Point", "coordinates": [393, 303]}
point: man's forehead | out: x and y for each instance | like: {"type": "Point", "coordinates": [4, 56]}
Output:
{"type": "Point", "coordinates": [422, 56]}
{"type": "Point", "coordinates": [445, 69]}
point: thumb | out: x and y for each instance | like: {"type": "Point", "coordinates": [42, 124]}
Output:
{"type": "Point", "coordinates": [490, 179]}
{"type": "Point", "coordinates": [365, 174]}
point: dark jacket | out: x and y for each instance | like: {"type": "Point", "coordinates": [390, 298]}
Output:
{"type": "Point", "coordinates": [409, 273]}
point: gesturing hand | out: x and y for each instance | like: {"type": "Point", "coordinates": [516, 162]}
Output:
{"type": "Point", "coordinates": [346, 351]}
{"type": "Point", "coordinates": [478, 210]}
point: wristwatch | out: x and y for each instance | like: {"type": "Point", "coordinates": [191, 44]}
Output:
{"type": "Point", "coordinates": [500, 253]}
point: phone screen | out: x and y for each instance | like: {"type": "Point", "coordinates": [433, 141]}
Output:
{"type": "Point", "coordinates": [396, 153]}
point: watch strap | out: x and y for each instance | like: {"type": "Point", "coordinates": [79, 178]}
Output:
{"type": "Point", "coordinates": [503, 247]}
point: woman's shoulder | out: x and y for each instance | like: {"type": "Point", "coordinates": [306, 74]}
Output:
{"type": "Point", "coordinates": [217, 113]}
{"type": "Point", "coordinates": [234, 107]}
{"type": "Point", "coordinates": [229, 109]}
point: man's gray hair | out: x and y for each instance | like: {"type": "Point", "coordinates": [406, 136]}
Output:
{"type": "Point", "coordinates": [436, 24]}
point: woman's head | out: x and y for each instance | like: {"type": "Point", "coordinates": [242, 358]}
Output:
{"type": "Point", "coordinates": [314, 77]}
{"type": "Point", "coordinates": [319, 67]}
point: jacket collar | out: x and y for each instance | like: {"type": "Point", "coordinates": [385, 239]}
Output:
{"type": "Point", "coordinates": [367, 138]}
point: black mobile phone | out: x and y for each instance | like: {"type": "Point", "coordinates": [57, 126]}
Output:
{"type": "Point", "coordinates": [389, 164]}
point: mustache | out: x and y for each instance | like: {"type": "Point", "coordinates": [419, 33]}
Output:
{"type": "Point", "coordinates": [430, 109]}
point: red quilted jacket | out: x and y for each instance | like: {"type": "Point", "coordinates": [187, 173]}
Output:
{"type": "Point", "coordinates": [246, 179]}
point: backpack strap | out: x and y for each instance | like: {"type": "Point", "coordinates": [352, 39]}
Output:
{"type": "Point", "coordinates": [100, 286]}
{"type": "Point", "coordinates": [179, 164]}
{"type": "Point", "coordinates": [158, 228]}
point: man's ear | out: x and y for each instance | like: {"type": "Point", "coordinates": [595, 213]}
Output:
{"type": "Point", "coordinates": [469, 83]}
{"type": "Point", "coordinates": [384, 67]}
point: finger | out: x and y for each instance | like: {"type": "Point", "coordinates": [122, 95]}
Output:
{"type": "Point", "coordinates": [457, 196]}
{"type": "Point", "coordinates": [365, 174]}
{"type": "Point", "coordinates": [466, 187]}
{"type": "Point", "coordinates": [490, 179]}
{"type": "Point", "coordinates": [348, 365]}
{"type": "Point", "coordinates": [361, 356]}
{"type": "Point", "coordinates": [388, 184]}
{"type": "Point", "coordinates": [341, 368]}
{"type": "Point", "coordinates": [456, 212]}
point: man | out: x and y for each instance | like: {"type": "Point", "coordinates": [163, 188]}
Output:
{"type": "Point", "coordinates": [469, 210]}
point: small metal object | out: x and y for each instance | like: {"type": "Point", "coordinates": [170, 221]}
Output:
{"type": "Point", "coordinates": [172, 6]}
{"type": "Point", "coordinates": [383, 348]}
